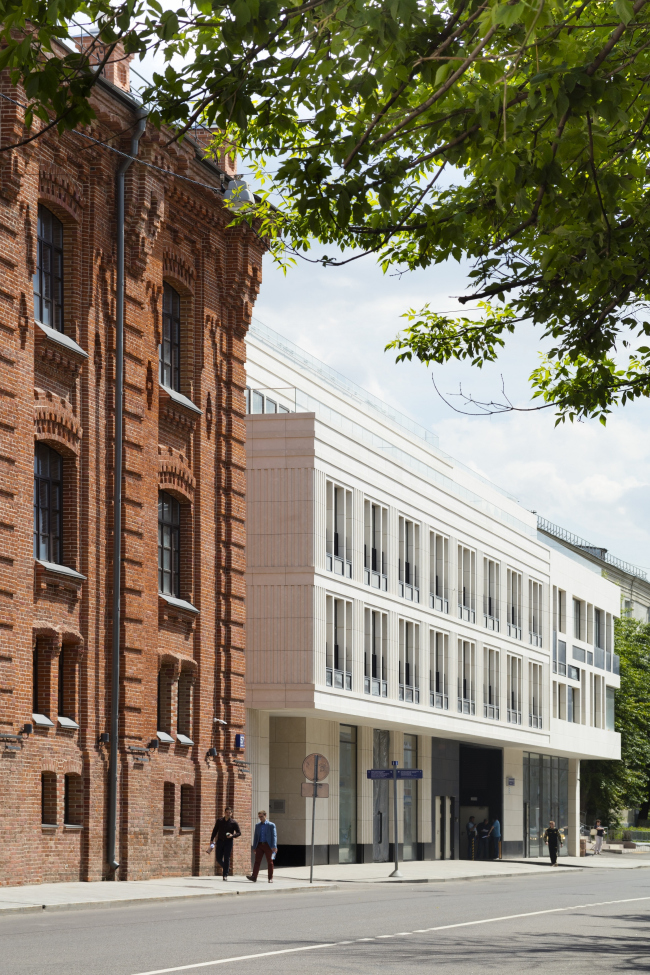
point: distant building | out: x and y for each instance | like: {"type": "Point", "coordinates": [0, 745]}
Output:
{"type": "Point", "coordinates": [400, 608]}
{"type": "Point", "coordinates": [632, 581]}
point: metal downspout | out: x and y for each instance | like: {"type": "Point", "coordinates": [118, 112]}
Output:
{"type": "Point", "coordinates": [117, 498]}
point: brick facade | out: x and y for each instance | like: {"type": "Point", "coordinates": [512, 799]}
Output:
{"type": "Point", "coordinates": [63, 396]}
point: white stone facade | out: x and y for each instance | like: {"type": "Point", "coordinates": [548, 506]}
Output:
{"type": "Point", "coordinates": [391, 590]}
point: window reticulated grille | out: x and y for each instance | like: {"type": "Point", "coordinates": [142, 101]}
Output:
{"type": "Point", "coordinates": [170, 347]}
{"type": "Point", "coordinates": [169, 521]}
{"type": "Point", "coordinates": [47, 504]}
{"type": "Point", "coordinates": [48, 277]}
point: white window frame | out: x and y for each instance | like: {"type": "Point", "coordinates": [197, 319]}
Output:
{"type": "Point", "coordinates": [514, 608]}
{"type": "Point", "coordinates": [338, 664]}
{"type": "Point", "coordinates": [491, 682]}
{"type": "Point", "coordinates": [466, 677]}
{"type": "Point", "coordinates": [438, 571]}
{"type": "Point", "coordinates": [339, 524]}
{"type": "Point", "coordinates": [535, 612]}
{"type": "Point", "coordinates": [466, 584]}
{"type": "Point", "coordinates": [439, 669]}
{"type": "Point", "coordinates": [408, 567]}
{"type": "Point", "coordinates": [535, 701]}
{"type": "Point", "coordinates": [375, 634]}
{"type": "Point", "coordinates": [375, 574]}
{"type": "Point", "coordinates": [514, 687]}
{"type": "Point", "coordinates": [491, 592]}
{"type": "Point", "coordinates": [408, 673]}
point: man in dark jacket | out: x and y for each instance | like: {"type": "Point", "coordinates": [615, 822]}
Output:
{"type": "Point", "coordinates": [553, 839]}
{"type": "Point", "coordinates": [225, 830]}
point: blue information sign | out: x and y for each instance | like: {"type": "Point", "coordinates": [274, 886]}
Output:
{"type": "Point", "coordinates": [387, 773]}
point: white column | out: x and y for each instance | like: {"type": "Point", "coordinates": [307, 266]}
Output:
{"type": "Point", "coordinates": [364, 788]}
{"type": "Point", "coordinates": [574, 807]}
{"type": "Point", "coordinates": [424, 791]}
{"type": "Point", "coordinates": [512, 827]}
{"type": "Point", "coordinates": [257, 755]}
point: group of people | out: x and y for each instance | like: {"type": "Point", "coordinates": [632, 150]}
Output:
{"type": "Point", "coordinates": [265, 843]}
{"type": "Point", "coordinates": [483, 839]}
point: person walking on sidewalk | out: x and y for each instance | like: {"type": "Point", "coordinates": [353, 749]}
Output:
{"type": "Point", "coordinates": [600, 836]}
{"type": "Point", "coordinates": [553, 839]}
{"type": "Point", "coordinates": [265, 843]}
{"type": "Point", "coordinates": [225, 831]}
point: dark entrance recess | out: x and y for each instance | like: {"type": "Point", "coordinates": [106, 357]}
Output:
{"type": "Point", "coordinates": [481, 788]}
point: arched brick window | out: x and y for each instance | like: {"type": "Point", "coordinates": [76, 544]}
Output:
{"type": "Point", "coordinates": [170, 347]}
{"type": "Point", "coordinates": [48, 507]}
{"type": "Point", "coordinates": [187, 806]}
{"type": "Point", "coordinates": [48, 799]}
{"type": "Point", "coordinates": [169, 540]}
{"type": "Point", "coordinates": [73, 800]}
{"type": "Point", "coordinates": [48, 277]}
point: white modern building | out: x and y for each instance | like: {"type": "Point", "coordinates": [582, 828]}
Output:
{"type": "Point", "coordinates": [402, 608]}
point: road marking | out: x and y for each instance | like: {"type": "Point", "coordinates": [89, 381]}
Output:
{"type": "Point", "coordinates": [335, 944]}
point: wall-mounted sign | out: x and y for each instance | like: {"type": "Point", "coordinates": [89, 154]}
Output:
{"type": "Point", "coordinates": [240, 741]}
{"type": "Point", "coordinates": [510, 780]}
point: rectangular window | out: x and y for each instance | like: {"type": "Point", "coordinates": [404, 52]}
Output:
{"type": "Point", "coordinates": [48, 799]}
{"type": "Point", "coordinates": [491, 683]}
{"type": "Point", "coordinates": [169, 805]}
{"type": "Point", "coordinates": [48, 277]}
{"type": "Point", "coordinates": [375, 653]}
{"type": "Point", "coordinates": [610, 698]}
{"type": "Point", "coordinates": [597, 702]}
{"type": "Point", "coordinates": [184, 709]}
{"type": "Point", "coordinates": [561, 701]}
{"type": "Point", "coordinates": [409, 659]}
{"type": "Point", "coordinates": [169, 537]}
{"type": "Point", "coordinates": [48, 508]}
{"type": "Point", "coordinates": [466, 677]}
{"type": "Point", "coordinates": [577, 619]}
{"type": "Point", "coordinates": [170, 347]}
{"type": "Point", "coordinates": [514, 609]}
{"type": "Point", "coordinates": [338, 543]}
{"type": "Point", "coordinates": [535, 612]}
{"type": "Point", "coordinates": [73, 800]}
{"type": "Point", "coordinates": [410, 799]}
{"type": "Point", "coordinates": [375, 545]}
{"type": "Point", "coordinates": [561, 657]}
{"type": "Point", "coordinates": [347, 794]}
{"type": "Point", "coordinates": [561, 611]}
{"type": "Point", "coordinates": [67, 684]}
{"type": "Point", "coordinates": [514, 681]}
{"type": "Point", "coordinates": [491, 593]}
{"type": "Point", "coordinates": [338, 648]}
{"type": "Point", "coordinates": [599, 629]}
{"type": "Point", "coordinates": [439, 669]}
{"type": "Point", "coordinates": [534, 695]}
{"type": "Point", "coordinates": [555, 699]}
{"type": "Point", "coordinates": [187, 807]}
{"type": "Point", "coordinates": [570, 704]}
{"type": "Point", "coordinates": [579, 654]}
{"type": "Point", "coordinates": [407, 566]}
{"type": "Point", "coordinates": [466, 584]}
{"type": "Point", "coordinates": [438, 572]}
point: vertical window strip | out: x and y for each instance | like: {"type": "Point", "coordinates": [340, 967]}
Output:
{"type": "Point", "coordinates": [168, 544]}
{"type": "Point", "coordinates": [170, 347]}
{"type": "Point", "coordinates": [48, 513]}
{"type": "Point", "coordinates": [48, 276]}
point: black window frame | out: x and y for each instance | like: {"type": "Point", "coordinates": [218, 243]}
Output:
{"type": "Point", "coordinates": [169, 526]}
{"type": "Point", "coordinates": [49, 274]}
{"type": "Point", "coordinates": [48, 544]}
{"type": "Point", "coordinates": [170, 346]}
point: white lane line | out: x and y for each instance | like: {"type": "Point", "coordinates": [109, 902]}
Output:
{"type": "Point", "coordinates": [440, 927]}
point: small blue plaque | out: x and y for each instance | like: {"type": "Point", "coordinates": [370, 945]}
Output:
{"type": "Point", "coordinates": [240, 741]}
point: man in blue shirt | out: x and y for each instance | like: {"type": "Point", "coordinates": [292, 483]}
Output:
{"type": "Point", "coordinates": [495, 833]}
{"type": "Point", "coordinates": [265, 843]}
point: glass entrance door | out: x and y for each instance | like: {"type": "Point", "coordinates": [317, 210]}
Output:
{"type": "Point", "coordinates": [380, 796]}
{"type": "Point", "coordinates": [410, 800]}
{"type": "Point", "coordinates": [347, 794]}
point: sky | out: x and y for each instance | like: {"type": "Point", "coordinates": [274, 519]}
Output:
{"type": "Point", "coordinates": [592, 480]}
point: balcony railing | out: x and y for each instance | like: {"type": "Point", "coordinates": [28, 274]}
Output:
{"type": "Point", "coordinates": [599, 658]}
{"type": "Point", "coordinates": [491, 622]}
{"type": "Point", "coordinates": [616, 664]}
{"type": "Point", "coordinates": [514, 717]}
{"type": "Point", "coordinates": [337, 678]}
{"type": "Point", "coordinates": [466, 613]}
{"type": "Point", "coordinates": [491, 711]}
{"type": "Point", "coordinates": [375, 687]}
{"type": "Point", "coordinates": [535, 720]}
{"type": "Point", "coordinates": [514, 631]}
{"type": "Point", "coordinates": [465, 706]}
{"type": "Point", "coordinates": [439, 700]}
{"type": "Point", "coordinates": [535, 639]}
{"type": "Point", "coordinates": [340, 567]}
{"type": "Point", "coordinates": [439, 603]}
{"type": "Point", "coordinates": [409, 694]}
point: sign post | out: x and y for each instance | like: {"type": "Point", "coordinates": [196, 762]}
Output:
{"type": "Point", "coordinates": [314, 767]}
{"type": "Point", "coordinates": [402, 773]}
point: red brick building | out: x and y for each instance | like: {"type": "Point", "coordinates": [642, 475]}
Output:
{"type": "Point", "coordinates": [190, 288]}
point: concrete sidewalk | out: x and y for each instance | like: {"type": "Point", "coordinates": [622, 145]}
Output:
{"type": "Point", "coordinates": [35, 898]}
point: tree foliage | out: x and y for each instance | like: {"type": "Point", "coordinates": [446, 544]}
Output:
{"type": "Point", "coordinates": [509, 133]}
{"type": "Point", "coordinates": [608, 787]}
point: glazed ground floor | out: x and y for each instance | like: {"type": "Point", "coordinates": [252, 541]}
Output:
{"type": "Point", "coordinates": [460, 779]}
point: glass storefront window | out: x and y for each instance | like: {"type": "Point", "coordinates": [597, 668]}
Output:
{"type": "Point", "coordinates": [348, 794]}
{"type": "Point", "coordinates": [410, 799]}
{"type": "Point", "coordinates": [546, 797]}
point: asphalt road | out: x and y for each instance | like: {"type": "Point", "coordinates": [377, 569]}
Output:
{"type": "Point", "coordinates": [592, 921]}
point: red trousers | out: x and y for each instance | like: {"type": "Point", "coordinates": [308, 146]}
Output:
{"type": "Point", "coordinates": [261, 850]}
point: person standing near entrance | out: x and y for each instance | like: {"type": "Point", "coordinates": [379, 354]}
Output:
{"type": "Point", "coordinates": [471, 839]}
{"type": "Point", "coordinates": [553, 839]}
{"type": "Point", "coordinates": [484, 840]}
{"type": "Point", "coordinates": [495, 833]}
{"type": "Point", "coordinates": [265, 843]}
{"type": "Point", "coordinates": [600, 836]}
{"type": "Point", "coordinates": [225, 831]}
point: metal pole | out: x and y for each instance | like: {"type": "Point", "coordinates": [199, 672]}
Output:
{"type": "Point", "coordinates": [117, 498]}
{"type": "Point", "coordinates": [396, 871]}
{"type": "Point", "coordinates": [313, 820]}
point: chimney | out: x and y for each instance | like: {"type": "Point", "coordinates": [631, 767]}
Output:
{"type": "Point", "coordinates": [117, 68]}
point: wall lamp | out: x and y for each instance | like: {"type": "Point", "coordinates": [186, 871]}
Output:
{"type": "Point", "coordinates": [28, 729]}
{"type": "Point", "coordinates": [153, 744]}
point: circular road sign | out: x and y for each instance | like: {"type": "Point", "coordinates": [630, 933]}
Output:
{"type": "Point", "coordinates": [310, 771]}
